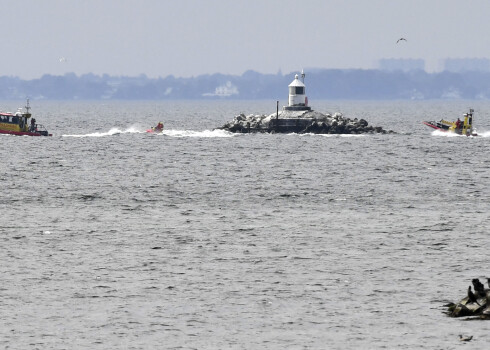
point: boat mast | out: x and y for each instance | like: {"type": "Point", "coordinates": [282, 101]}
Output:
{"type": "Point", "coordinates": [470, 121]}
{"type": "Point", "coordinates": [28, 108]}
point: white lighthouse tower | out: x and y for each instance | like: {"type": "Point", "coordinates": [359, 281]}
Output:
{"type": "Point", "coordinates": [297, 97]}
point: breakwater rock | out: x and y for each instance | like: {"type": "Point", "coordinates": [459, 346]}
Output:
{"type": "Point", "coordinates": [475, 304]}
{"type": "Point", "coordinates": [289, 121]}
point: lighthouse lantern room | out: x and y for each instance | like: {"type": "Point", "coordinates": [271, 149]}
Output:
{"type": "Point", "coordinates": [297, 97]}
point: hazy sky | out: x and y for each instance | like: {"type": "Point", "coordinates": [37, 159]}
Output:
{"type": "Point", "coordinates": [192, 37]}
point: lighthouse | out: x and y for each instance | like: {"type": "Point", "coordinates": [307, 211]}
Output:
{"type": "Point", "coordinates": [297, 97]}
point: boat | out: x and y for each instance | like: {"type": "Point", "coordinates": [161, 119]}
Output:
{"type": "Point", "coordinates": [459, 127]}
{"type": "Point", "coordinates": [18, 123]}
{"type": "Point", "coordinates": [156, 129]}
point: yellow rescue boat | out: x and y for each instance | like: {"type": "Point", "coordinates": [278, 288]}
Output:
{"type": "Point", "coordinates": [460, 127]}
{"type": "Point", "coordinates": [21, 123]}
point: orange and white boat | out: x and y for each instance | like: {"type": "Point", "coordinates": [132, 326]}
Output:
{"type": "Point", "coordinates": [156, 129]}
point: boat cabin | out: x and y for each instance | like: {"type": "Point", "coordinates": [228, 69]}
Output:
{"type": "Point", "coordinates": [467, 127]}
{"type": "Point", "coordinates": [19, 123]}
{"type": "Point", "coordinates": [15, 122]}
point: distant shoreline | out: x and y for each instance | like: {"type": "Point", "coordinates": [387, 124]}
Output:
{"type": "Point", "coordinates": [327, 84]}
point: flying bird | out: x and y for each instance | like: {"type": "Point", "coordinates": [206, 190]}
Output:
{"type": "Point", "coordinates": [401, 39]}
{"type": "Point", "coordinates": [62, 59]}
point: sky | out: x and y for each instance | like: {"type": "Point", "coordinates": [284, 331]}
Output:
{"type": "Point", "coordinates": [186, 38]}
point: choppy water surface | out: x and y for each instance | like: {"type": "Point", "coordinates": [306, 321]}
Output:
{"type": "Point", "coordinates": [113, 238]}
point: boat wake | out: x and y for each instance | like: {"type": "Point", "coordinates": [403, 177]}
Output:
{"type": "Point", "coordinates": [452, 134]}
{"type": "Point", "coordinates": [113, 131]}
{"type": "Point", "coordinates": [342, 135]}
{"type": "Point", "coordinates": [193, 133]}
{"type": "Point", "coordinates": [445, 134]}
{"type": "Point", "coordinates": [171, 133]}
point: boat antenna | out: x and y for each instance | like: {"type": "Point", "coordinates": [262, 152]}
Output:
{"type": "Point", "coordinates": [27, 106]}
{"type": "Point", "coordinates": [303, 75]}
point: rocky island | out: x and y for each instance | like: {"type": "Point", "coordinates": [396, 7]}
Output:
{"type": "Point", "coordinates": [475, 304]}
{"type": "Point", "coordinates": [298, 117]}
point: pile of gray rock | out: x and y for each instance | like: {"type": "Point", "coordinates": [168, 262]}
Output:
{"type": "Point", "coordinates": [476, 303]}
{"type": "Point", "coordinates": [300, 122]}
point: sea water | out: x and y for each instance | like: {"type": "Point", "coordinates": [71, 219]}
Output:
{"type": "Point", "coordinates": [113, 238]}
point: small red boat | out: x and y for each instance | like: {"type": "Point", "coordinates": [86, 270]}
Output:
{"type": "Point", "coordinates": [156, 129]}
{"type": "Point", "coordinates": [21, 124]}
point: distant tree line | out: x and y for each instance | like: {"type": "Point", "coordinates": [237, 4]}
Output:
{"type": "Point", "coordinates": [320, 84]}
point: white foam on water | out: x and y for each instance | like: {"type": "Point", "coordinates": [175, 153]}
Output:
{"type": "Point", "coordinates": [451, 134]}
{"type": "Point", "coordinates": [337, 135]}
{"type": "Point", "coordinates": [171, 133]}
{"type": "Point", "coordinates": [193, 133]}
{"type": "Point", "coordinates": [229, 134]}
{"type": "Point", "coordinates": [444, 134]}
{"type": "Point", "coordinates": [112, 131]}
